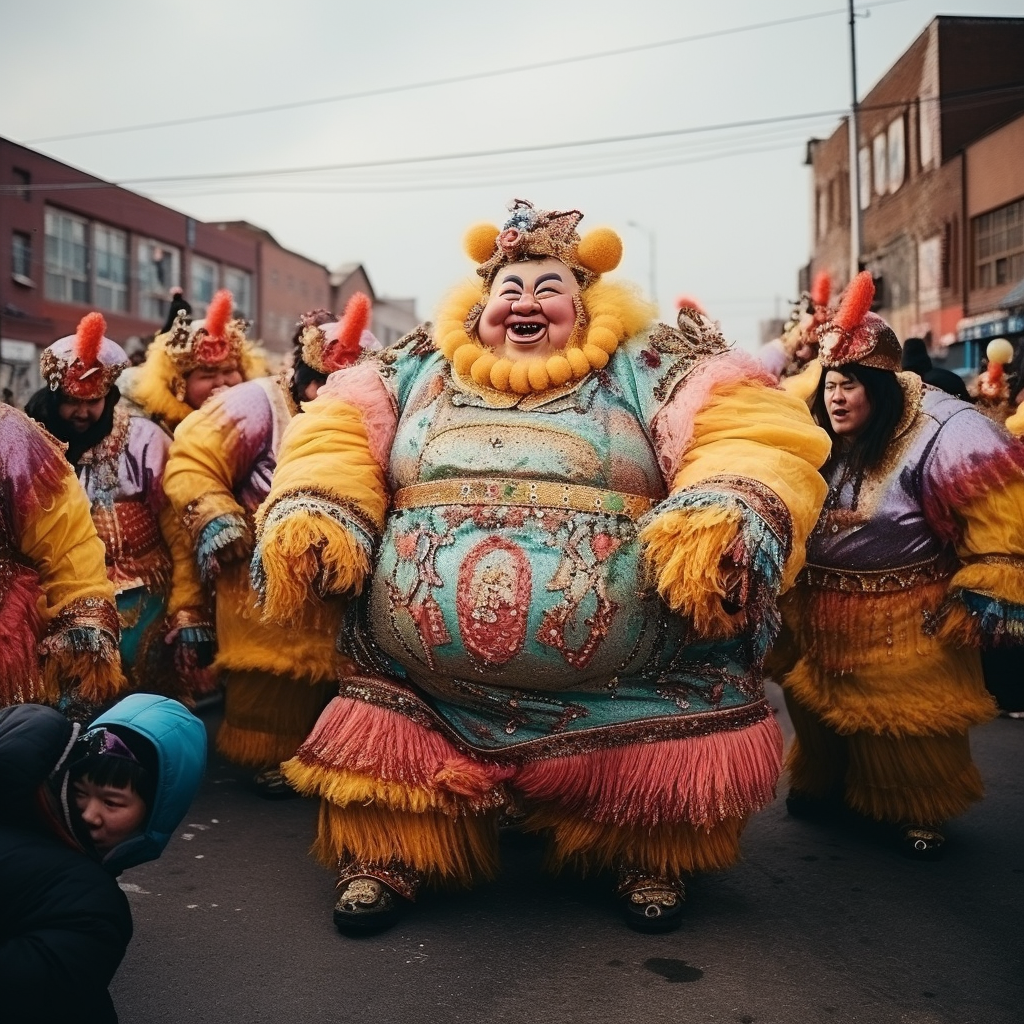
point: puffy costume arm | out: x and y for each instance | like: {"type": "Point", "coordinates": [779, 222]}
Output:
{"type": "Point", "coordinates": [53, 528]}
{"type": "Point", "coordinates": [745, 494]}
{"type": "Point", "coordinates": [325, 510]}
{"type": "Point", "coordinates": [974, 497]}
{"type": "Point", "coordinates": [214, 450]}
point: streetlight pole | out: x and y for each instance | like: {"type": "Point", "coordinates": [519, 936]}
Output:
{"type": "Point", "coordinates": [855, 222]}
{"type": "Point", "coordinates": [652, 257]}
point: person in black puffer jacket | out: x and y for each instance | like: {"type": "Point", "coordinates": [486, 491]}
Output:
{"type": "Point", "coordinates": [74, 812]}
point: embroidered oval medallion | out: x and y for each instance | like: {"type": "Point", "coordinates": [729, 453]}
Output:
{"type": "Point", "coordinates": [493, 598]}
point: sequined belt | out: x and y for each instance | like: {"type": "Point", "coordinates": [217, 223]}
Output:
{"type": "Point", "coordinates": [541, 493]}
{"type": "Point", "coordinates": [877, 581]}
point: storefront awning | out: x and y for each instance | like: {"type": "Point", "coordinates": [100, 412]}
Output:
{"type": "Point", "coordinates": [995, 324]}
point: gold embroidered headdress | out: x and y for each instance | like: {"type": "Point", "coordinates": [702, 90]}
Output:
{"type": "Point", "coordinates": [84, 364]}
{"type": "Point", "coordinates": [328, 344]}
{"type": "Point", "coordinates": [856, 335]}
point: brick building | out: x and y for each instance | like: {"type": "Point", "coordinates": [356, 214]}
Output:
{"type": "Point", "coordinates": [959, 81]}
{"type": "Point", "coordinates": [71, 242]}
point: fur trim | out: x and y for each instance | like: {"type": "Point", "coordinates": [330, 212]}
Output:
{"type": "Point", "coordinates": [701, 780]}
{"type": "Point", "coordinates": [305, 554]}
{"type": "Point", "coordinates": [672, 849]}
{"type": "Point", "coordinates": [684, 550]}
{"type": "Point", "coordinates": [21, 626]}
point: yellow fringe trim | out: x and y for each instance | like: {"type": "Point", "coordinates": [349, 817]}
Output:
{"type": "Point", "coordinates": [95, 679]}
{"type": "Point", "coordinates": [614, 312]}
{"type": "Point", "coordinates": [342, 787]}
{"type": "Point", "coordinates": [453, 850]}
{"type": "Point", "coordinates": [910, 779]}
{"type": "Point", "coordinates": [306, 550]}
{"type": "Point", "coordinates": [673, 849]}
{"type": "Point", "coordinates": [866, 665]}
{"type": "Point", "coordinates": [684, 550]}
{"type": "Point", "coordinates": [251, 749]}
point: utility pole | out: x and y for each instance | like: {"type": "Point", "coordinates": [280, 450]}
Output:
{"type": "Point", "coordinates": [855, 221]}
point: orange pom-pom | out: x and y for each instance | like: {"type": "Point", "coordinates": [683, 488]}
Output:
{"type": "Point", "coordinates": [89, 337]}
{"type": "Point", "coordinates": [600, 250]}
{"type": "Point", "coordinates": [559, 370]}
{"type": "Point", "coordinates": [221, 307]}
{"type": "Point", "coordinates": [519, 378]}
{"type": "Point", "coordinates": [821, 290]}
{"type": "Point", "coordinates": [481, 369]}
{"type": "Point", "coordinates": [354, 321]}
{"type": "Point", "coordinates": [856, 302]}
{"type": "Point", "coordinates": [479, 242]}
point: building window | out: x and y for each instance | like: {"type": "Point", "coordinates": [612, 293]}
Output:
{"type": "Point", "coordinates": [202, 283]}
{"type": "Point", "coordinates": [897, 166]}
{"type": "Point", "coordinates": [67, 258]}
{"type": "Point", "coordinates": [21, 257]}
{"type": "Point", "coordinates": [23, 179]}
{"type": "Point", "coordinates": [239, 283]}
{"type": "Point", "coordinates": [880, 165]}
{"type": "Point", "coordinates": [110, 253]}
{"type": "Point", "coordinates": [158, 269]}
{"type": "Point", "coordinates": [864, 170]}
{"type": "Point", "coordinates": [999, 246]}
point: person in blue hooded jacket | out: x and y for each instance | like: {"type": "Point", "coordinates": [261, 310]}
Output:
{"type": "Point", "coordinates": [75, 811]}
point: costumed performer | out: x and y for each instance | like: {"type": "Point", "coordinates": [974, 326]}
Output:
{"type": "Point", "coordinates": [185, 366]}
{"type": "Point", "coordinates": [276, 680]}
{"type": "Point", "coordinates": [58, 619]}
{"type": "Point", "coordinates": [990, 390]}
{"type": "Point", "coordinates": [119, 460]}
{"type": "Point", "coordinates": [569, 525]}
{"type": "Point", "coordinates": [918, 559]}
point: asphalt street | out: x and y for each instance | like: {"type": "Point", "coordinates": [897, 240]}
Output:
{"type": "Point", "coordinates": [815, 925]}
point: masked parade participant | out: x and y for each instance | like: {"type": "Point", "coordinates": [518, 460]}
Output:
{"type": "Point", "coordinates": [58, 620]}
{"type": "Point", "coordinates": [917, 560]}
{"type": "Point", "coordinates": [188, 363]}
{"type": "Point", "coordinates": [119, 459]}
{"type": "Point", "coordinates": [568, 525]}
{"type": "Point", "coordinates": [277, 680]}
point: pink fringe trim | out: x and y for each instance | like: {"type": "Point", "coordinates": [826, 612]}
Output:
{"type": "Point", "coordinates": [673, 423]}
{"type": "Point", "coordinates": [21, 627]}
{"type": "Point", "coordinates": [944, 500]}
{"type": "Point", "coordinates": [369, 740]}
{"type": "Point", "coordinates": [361, 386]}
{"type": "Point", "coordinates": [700, 779]}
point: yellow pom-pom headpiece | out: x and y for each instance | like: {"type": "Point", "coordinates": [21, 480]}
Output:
{"type": "Point", "coordinates": [531, 234]}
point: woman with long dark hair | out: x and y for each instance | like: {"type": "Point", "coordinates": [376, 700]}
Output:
{"type": "Point", "coordinates": [917, 560]}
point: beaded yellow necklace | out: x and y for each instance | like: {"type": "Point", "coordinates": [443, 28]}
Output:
{"type": "Point", "coordinates": [613, 313]}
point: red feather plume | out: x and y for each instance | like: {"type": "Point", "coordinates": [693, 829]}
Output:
{"type": "Point", "coordinates": [89, 337]}
{"type": "Point", "coordinates": [856, 302]}
{"type": "Point", "coordinates": [821, 290]}
{"type": "Point", "coordinates": [354, 321]}
{"type": "Point", "coordinates": [222, 305]}
{"type": "Point", "coordinates": [689, 302]}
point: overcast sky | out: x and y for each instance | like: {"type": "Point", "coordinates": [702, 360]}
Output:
{"type": "Point", "coordinates": [728, 209]}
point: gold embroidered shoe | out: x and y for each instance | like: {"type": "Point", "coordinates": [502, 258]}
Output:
{"type": "Point", "coordinates": [922, 842]}
{"type": "Point", "coordinates": [367, 904]}
{"type": "Point", "coordinates": [650, 903]}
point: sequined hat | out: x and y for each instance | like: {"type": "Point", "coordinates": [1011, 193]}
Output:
{"type": "Point", "coordinates": [530, 233]}
{"type": "Point", "coordinates": [216, 339]}
{"type": "Point", "coordinates": [856, 335]}
{"type": "Point", "coordinates": [84, 364]}
{"type": "Point", "coordinates": [328, 344]}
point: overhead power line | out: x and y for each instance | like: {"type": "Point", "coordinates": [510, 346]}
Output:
{"type": "Point", "coordinates": [453, 79]}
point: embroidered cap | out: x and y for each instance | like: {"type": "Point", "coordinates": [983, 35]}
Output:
{"type": "Point", "coordinates": [84, 364]}
{"type": "Point", "coordinates": [856, 335]}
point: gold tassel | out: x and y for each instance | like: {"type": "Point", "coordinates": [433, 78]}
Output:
{"type": "Point", "coordinates": [671, 848]}
{"type": "Point", "coordinates": [684, 550]}
{"type": "Point", "coordinates": [306, 551]}
{"type": "Point", "coordinates": [445, 849]}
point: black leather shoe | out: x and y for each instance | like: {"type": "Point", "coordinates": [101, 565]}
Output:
{"type": "Point", "coordinates": [650, 903]}
{"type": "Point", "coordinates": [921, 842]}
{"type": "Point", "coordinates": [366, 906]}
